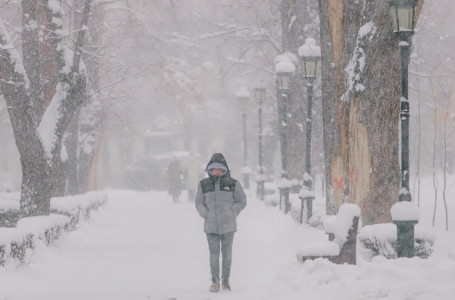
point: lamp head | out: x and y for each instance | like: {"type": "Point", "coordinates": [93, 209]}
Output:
{"type": "Point", "coordinates": [284, 71]}
{"type": "Point", "coordinates": [310, 54]}
{"type": "Point", "coordinates": [403, 16]}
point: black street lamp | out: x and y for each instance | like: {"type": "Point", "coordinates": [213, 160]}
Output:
{"type": "Point", "coordinates": [310, 54]}
{"type": "Point", "coordinates": [243, 95]}
{"type": "Point", "coordinates": [403, 17]}
{"type": "Point", "coordinates": [259, 94]}
{"type": "Point", "coordinates": [284, 70]}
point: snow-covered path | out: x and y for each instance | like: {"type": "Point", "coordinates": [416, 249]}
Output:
{"type": "Point", "coordinates": [142, 246]}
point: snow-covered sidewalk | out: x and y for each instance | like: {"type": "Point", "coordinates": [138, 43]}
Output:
{"type": "Point", "coordinates": [143, 246]}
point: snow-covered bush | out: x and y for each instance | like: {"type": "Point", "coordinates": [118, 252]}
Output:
{"type": "Point", "coordinates": [381, 239]}
{"type": "Point", "coordinates": [424, 241]}
{"type": "Point", "coordinates": [9, 209]}
{"type": "Point", "coordinates": [9, 217]}
{"type": "Point", "coordinates": [18, 250]}
{"type": "Point", "coordinates": [44, 228]}
{"type": "Point", "coordinates": [18, 243]}
{"type": "Point", "coordinates": [78, 207]}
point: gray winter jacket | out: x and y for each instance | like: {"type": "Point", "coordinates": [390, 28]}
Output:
{"type": "Point", "coordinates": [220, 205]}
{"type": "Point", "coordinates": [219, 201]}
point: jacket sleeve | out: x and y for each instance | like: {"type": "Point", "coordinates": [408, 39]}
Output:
{"type": "Point", "coordinates": [239, 199]}
{"type": "Point", "coordinates": [200, 206]}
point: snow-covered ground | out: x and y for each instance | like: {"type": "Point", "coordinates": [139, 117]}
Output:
{"type": "Point", "coordinates": [143, 246]}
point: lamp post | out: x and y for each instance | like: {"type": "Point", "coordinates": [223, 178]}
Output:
{"type": "Point", "coordinates": [284, 70]}
{"type": "Point", "coordinates": [310, 54]}
{"type": "Point", "coordinates": [403, 17]}
{"type": "Point", "coordinates": [243, 95]}
{"type": "Point", "coordinates": [259, 94]}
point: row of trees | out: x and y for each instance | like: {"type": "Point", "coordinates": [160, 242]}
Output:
{"type": "Point", "coordinates": [64, 75]}
{"type": "Point", "coordinates": [64, 64]}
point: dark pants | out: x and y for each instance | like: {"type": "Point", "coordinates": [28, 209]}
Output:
{"type": "Point", "coordinates": [225, 241]}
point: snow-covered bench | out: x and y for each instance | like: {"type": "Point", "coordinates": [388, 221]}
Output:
{"type": "Point", "coordinates": [343, 230]}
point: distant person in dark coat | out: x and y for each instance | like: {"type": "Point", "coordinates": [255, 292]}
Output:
{"type": "Point", "coordinates": [174, 178]}
{"type": "Point", "coordinates": [219, 200]}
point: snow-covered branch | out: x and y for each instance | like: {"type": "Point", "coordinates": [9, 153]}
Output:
{"type": "Point", "coordinates": [123, 78]}
{"type": "Point", "coordinates": [11, 60]}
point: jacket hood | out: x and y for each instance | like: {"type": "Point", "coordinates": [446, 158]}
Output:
{"type": "Point", "coordinates": [218, 158]}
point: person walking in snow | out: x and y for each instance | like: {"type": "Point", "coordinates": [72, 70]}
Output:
{"type": "Point", "coordinates": [174, 178]}
{"type": "Point", "coordinates": [219, 200]}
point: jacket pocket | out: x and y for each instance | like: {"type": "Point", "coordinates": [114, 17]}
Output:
{"type": "Point", "coordinates": [227, 196]}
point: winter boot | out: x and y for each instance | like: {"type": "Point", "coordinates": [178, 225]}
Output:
{"type": "Point", "coordinates": [226, 285]}
{"type": "Point", "coordinates": [215, 287]}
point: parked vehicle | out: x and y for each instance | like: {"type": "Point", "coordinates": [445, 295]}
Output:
{"type": "Point", "coordinates": [148, 173]}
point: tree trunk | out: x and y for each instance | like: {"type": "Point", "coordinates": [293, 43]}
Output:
{"type": "Point", "coordinates": [37, 187]}
{"type": "Point", "coordinates": [333, 62]}
{"type": "Point", "coordinates": [361, 111]}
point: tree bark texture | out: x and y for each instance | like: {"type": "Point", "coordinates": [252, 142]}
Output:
{"type": "Point", "coordinates": [361, 76]}
{"type": "Point", "coordinates": [298, 21]}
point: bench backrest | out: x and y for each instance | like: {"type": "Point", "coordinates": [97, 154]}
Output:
{"type": "Point", "coordinates": [342, 229]}
{"type": "Point", "coordinates": [344, 222]}
{"type": "Point", "coordinates": [348, 250]}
